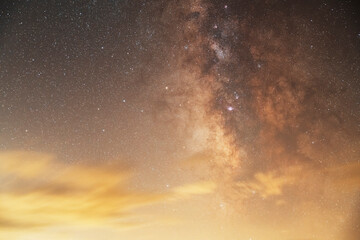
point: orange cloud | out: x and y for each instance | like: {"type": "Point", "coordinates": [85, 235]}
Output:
{"type": "Point", "coordinates": [266, 184]}
{"type": "Point", "coordinates": [39, 192]}
{"type": "Point", "coordinates": [341, 179]}
{"type": "Point", "coordinates": [198, 188]}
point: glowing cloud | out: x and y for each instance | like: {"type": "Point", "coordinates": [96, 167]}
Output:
{"type": "Point", "coordinates": [38, 192]}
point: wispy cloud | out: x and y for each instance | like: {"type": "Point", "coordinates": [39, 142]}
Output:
{"type": "Point", "coordinates": [38, 191]}
{"type": "Point", "coordinates": [266, 184]}
{"type": "Point", "coordinates": [341, 178]}
{"type": "Point", "coordinates": [198, 188]}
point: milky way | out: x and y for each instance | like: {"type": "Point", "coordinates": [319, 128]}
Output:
{"type": "Point", "coordinates": [180, 119]}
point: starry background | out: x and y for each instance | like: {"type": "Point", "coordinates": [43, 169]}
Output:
{"type": "Point", "coordinates": [241, 115]}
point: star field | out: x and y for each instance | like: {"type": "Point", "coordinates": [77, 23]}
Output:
{"type": "Point", "coordinates": [197, 119]}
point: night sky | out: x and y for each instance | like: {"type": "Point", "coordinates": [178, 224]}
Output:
{"type": "Point", "coordinates": [180, 119]}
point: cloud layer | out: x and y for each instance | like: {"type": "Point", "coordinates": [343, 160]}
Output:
{"type": "Point", "coordinates": [39, 192]}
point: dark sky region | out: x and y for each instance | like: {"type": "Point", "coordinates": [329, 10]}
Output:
{"type": "Point", "coordinates": [180, 119]}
